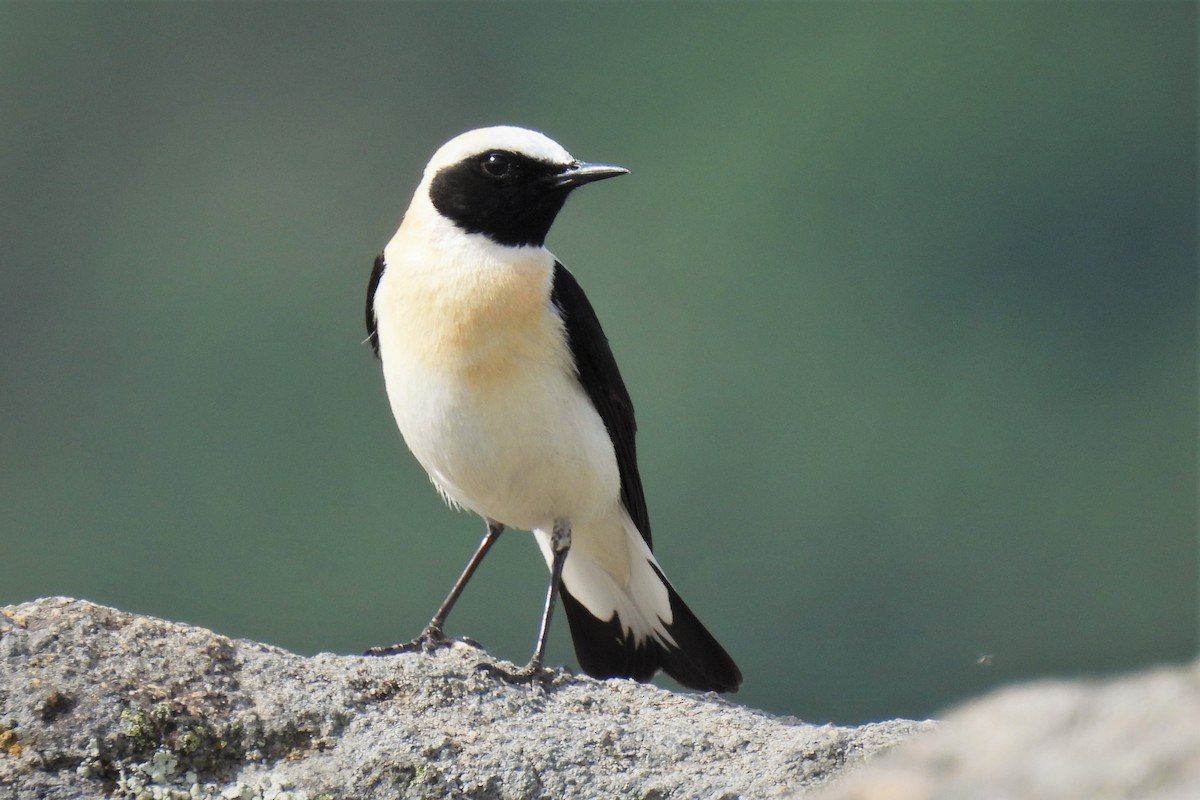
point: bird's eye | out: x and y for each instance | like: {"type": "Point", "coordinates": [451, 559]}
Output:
{"type": "Point", "coordinates": [497, 165]}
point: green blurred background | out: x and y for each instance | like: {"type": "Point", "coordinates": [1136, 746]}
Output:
{"type": "Point", "coordinates": [905, 295]}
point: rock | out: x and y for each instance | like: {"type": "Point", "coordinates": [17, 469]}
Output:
{"type": "Point", "coordinates": [95, 702]}
{"type": "Point", "coordinates": [1130, 737]}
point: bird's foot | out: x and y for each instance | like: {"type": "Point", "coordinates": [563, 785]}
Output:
{"type": "Point", "coordinates": [432, 639]}
{"type": "Point", "coordinates": [531, 673]}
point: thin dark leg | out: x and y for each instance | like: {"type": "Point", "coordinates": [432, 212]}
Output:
{"type": "Point", "coordinates": [560, 545]}
{"type": "Point", "coordinates": [433, 636]}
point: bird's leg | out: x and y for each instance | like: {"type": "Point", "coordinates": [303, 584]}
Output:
{"type": "Point", "coordinates": [560, 545]}
{"type": "Point", "coordinates": [434, 636]}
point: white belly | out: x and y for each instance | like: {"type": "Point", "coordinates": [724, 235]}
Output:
{"type": "Point", "coordinates": [482, 387]}
{"type": "Point", "coordinates": [524, 452]}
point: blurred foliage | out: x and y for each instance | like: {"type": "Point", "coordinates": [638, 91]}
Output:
{"type": "Point", "coordinates": [905, 294]}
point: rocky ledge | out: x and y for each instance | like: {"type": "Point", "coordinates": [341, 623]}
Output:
{"type": "Point", "coordinates": [96, 702]}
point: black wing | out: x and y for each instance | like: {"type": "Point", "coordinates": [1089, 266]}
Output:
{"type": "Point", "coordinates": [376, 274]}
{"type": "Point", "coordinates": [598, 373]}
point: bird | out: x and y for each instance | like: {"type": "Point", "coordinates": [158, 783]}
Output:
{"type": "Point", "coordinates": [505, 389]}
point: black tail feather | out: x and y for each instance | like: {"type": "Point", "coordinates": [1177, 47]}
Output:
{"type": "Point", "coordinates": [697, 661]}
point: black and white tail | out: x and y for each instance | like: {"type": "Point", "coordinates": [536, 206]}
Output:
{"type": "Point", "coordinates": [634, 623]}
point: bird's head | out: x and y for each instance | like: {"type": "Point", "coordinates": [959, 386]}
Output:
{"type": "Point", "coordinates": [505, 183]}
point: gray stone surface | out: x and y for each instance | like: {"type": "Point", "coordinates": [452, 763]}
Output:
{"type": "Point", "coordinates": [95, 702]}
{"type": "Point", "coordinates": [1136, 736]}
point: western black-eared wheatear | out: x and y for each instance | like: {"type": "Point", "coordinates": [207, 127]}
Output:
{"type": "Point", "coordinates": [505, 389]}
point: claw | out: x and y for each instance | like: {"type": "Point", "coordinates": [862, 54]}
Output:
{"type": "Point", "coordinates": [430, 640]}
{"type": "Point", "coordinates": [527, 674]}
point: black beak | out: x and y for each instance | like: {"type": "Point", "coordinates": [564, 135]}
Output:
{"type": "Point", "coordinates": [579, 173]}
